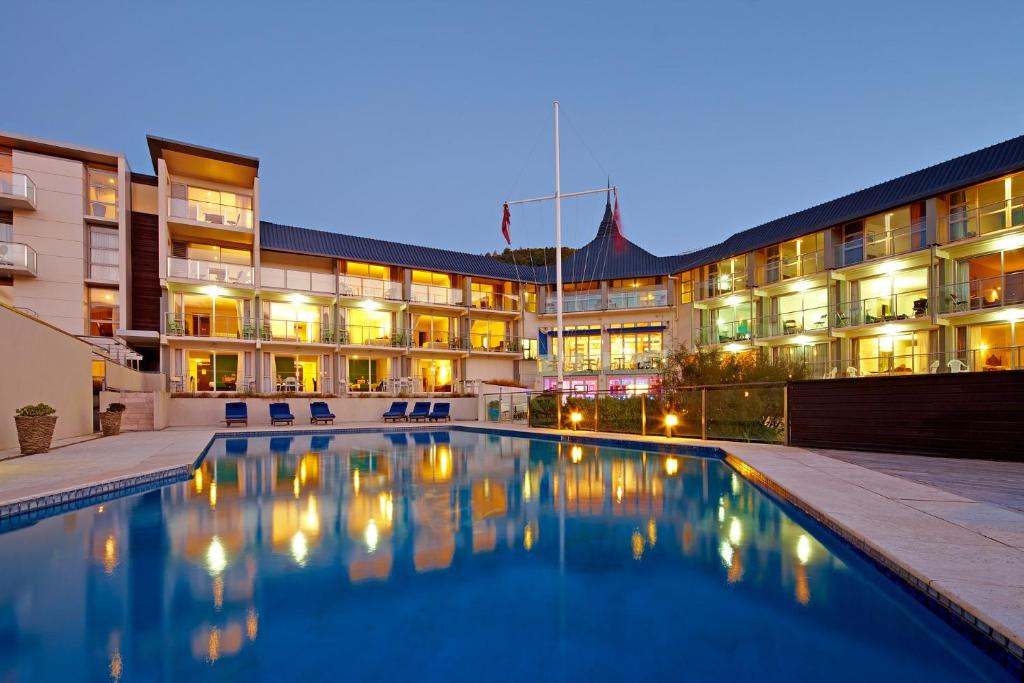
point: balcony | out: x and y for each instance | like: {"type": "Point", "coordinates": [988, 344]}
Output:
{"type": "Point", "coordinates": [211, 213]}
{"type": "Point", "coordinates": [208, 325]}
{"type": "Point", "coordinates": [573, 364]}
{"type": "Point", "coordinates": [435, 294]}
{"type": "Point", "coordinates": [982, 294]}
{"type": "Point", "coordinates": [793, 322]}
{"type": "Point", "coordinates": [725, 283]}
{"type": "Point", "coordinates": [442, 341]}
{"type": "Point", "coordinates": [641, 297]}
{"type": "Point", "coordinates": [872, 246]}
{"type": "Point", "coordinates": [17, 259]}
{"type": "Point", "coordinates": [725, 332]}
{"type": "Point", "coordinates": [785, 268]}
{"type": "Point", "coordinates": [296, 331]}
{"type": "Point", "coordinates": [965, 223]}
{"type": "Point", "coordinates": [574, 303]}
{"type": "Point", "coordinates": [984, 359]}
{"type": "Point", "coordinates": [493, 343]}
{"type": "Point", "coordinates": [369, 288]}
{"type": "Point", "coordinates": [209, 271]}
{"type": "Point", "coordinates": [493, 301]}
{"type": "Point", "coordinates": [17, 191]}
{"type": "Point", "coordinates": [297, 280]}
{"type": "Point", "coordinates": [371, 335]}
{"type": "Point", "coordinates": [647, 361]}
{"type": "Point", "coordinates": [897, 307]}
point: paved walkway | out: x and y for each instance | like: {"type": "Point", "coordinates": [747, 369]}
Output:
{"type": "Point", "coordinates": [969, 550]}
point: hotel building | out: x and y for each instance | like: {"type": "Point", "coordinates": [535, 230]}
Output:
{"type": "Point", "coordinates": [921, 274]}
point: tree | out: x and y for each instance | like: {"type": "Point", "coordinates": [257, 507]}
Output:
{"type": "Point", "coordinates": [530, 256]}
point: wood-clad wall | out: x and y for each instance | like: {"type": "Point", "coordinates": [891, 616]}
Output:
{"type": "Point", "coordinates": [963, 415]}
{"type": "Point", "coordinates": [145, 272]}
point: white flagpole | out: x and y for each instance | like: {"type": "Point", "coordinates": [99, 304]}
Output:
{"type": "Point", "coordinates": [558, 255]}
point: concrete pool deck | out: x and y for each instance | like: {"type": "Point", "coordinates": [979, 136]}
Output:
{"type": "Point", "coordinates": [966, 554]}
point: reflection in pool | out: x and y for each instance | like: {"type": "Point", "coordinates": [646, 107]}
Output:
{"type": "Point", "coordinates": [438, 555]}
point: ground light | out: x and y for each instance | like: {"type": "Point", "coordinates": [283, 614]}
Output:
{"type": "Point", "coordinates": [671, 420]}
{"type": "Point", "coordinates": [575, 418]}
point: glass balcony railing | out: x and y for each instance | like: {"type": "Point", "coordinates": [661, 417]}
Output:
{"type": "Point", "coordinates": [209, 325]}
{"type": "Point", "coordinates": [725, 332]}
{"type": "Point", "coordinates": [298, 280]}
{"type": "Point", "coordinates": [574, 303]}
{"type": "Point", "coordinates": [494, 343]}
{"type": "Point", "coordinates": [369, 288]}
{"type": "Point", "coordinates": [784, 268]}
{"type": "Point", "coordinates": [438, 340]}
{"type": "Point", "coordinates": [209, 271]}
{"type": "Point", "coordinates": [982, 293]}
{"type": "Point", "coordinates": [722, 284]}
{"type": "Point", "coordinates": [296, 331]}
{"type": "Point", "coordinates": [494, 301]}
{"type": "Point", "coordinates": [371, 335]}
{"type": "Point", "coordinates": [964, 223]}
{"type": "Point", "coordinates": [17, 257]}
{"type": "Point", "coordinates": [435, 294]}
{"type": "Point", "coordinates": [641, 297]}
{"type": "Point", "coordinates": [212, 213]}
{"type": "Point", "coordinates": [901, 306]}
{"type": "Point", "coordinates": [871, 245]}
{"type": "Point", "coordinates": [793, 322]}
{"type": "Point", "coordinates": [18, 186]}
{"type": "Point", "coordinates": [643, 361]}
{"type": "Point", "coordinates": [983, 359]}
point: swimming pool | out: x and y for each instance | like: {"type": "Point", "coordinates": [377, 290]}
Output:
{"type": "Point", "coordinates": [455, 555]}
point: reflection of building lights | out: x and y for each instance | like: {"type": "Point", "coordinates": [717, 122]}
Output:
{"type": "Point", "coordinates": [116, 666]}
{"type": "Point", "coordinates": [110, 554]}
{"type": "Point", "coordinates": [725, 550]}
{"type": "Point", "coordinates": [636, 542]}
{"type": "Point", "coordinates": [721, 513]}
{"type": "Point", "coordinates": [251, 624]}
{"type": "Point", "coordinates": [100, 509]}
{"type": "Point", "coordinates": [372, 536]}
{"type": "Point", "coordinates": [312, 517]}
{"type": "Point", "coordinates": [199, 481]}
{"type": "Point", "coordinates": [355, 481]}
{"type": "Point", "coordinates": [300, 548]}
{"type": "Point", "coordinates": [528, 539]}
{"type": "Point", "coordinates": [652, 532]}
{"type": "Point", "coordinates": [387, 507]}
{"type": "Point", "coordinates": [213, 645]}
{"type": "Point", "coordinates": [213, 494]}
{"type": "Point", "coordinates": [302, 472]}
{"type": "Point", "coordinates": [295, 486]}
{"type": "Point", "coordinates": [803, 549]}
{"type": "Point", "coordinates": [618, 492]}
{"type": "Point", "coordinates": [735, 531]}
{"type": "Point", "coordinates": [576, 454]}
{"type": "Point", "coordinates": [218, 592]}
{"type": "Point", "coordinates": [734, 484]}
{"type": "Point", "coordinates": [671, 466]}
{"type": "Point", "coordinates": [216, 557]}
{"type": "Point", "coordinates": [527, 487]}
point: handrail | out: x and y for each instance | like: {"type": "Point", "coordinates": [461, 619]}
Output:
{"type": "Point", "coordinates": [209, 271]}
{"type": "Point", "coordinates": [18, 184]}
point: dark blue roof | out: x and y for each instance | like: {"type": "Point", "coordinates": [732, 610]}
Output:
{"type": "Point", "coordinates": [336, 245]}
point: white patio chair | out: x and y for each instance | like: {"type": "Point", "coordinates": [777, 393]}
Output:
{"type": "Point", "coordinates": [852, 372]}
{"type": "Point", "coordinates": [933, 368]}
{"type": "Point", "coordinates": [957, 365]}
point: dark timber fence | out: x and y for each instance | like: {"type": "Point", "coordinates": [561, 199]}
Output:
{"type": "Point", "coordinates": [964, 415]}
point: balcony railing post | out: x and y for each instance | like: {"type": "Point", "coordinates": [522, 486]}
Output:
{"type": "Point", "coordinates": [704, 413]}
{"type": "Point", "coordinates": [785, 414]}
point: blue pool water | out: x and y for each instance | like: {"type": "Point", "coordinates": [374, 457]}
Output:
{"type": "Point", "coordinates": [455, 556]}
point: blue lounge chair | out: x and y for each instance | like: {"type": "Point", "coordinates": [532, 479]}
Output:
{"type": "Point", "coordinates": [396, 411]}
{"type": "Point", "coordinates": [236, 446]}
{"type": "Point", "coordinates": [236, 411]}
{"type": "Point", "coordinates": [440, 412]}
{"type": "Point", "coordinates": [280, 412]}
{"type": "Point", "coordinates": [319, 412]}
{"type": "Point", "coordinates": [420, 411]}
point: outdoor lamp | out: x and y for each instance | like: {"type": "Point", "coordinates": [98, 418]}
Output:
{"type": "Point", "coordinates": [671, 420]}
{"type": "Point", "coordinates": [575, 417]}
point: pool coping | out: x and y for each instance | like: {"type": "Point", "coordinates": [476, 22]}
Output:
{"type": "Point", "coordinates": [1005, 648]}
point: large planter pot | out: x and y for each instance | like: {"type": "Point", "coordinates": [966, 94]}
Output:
{"type": "Point", "coordinates": [110, 422]}
{"type": "Point", "coordinates": [35, 433]}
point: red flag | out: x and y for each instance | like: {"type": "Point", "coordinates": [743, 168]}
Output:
{"type": "Point", "coordinates": [620, 241]}
{"type": "Point", "coordinates": [506, 219]}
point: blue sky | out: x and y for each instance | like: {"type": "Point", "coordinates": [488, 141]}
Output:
{"type": "Point", "coordinates": [414, 121]}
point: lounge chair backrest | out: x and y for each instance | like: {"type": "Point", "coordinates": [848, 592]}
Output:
{"type": "Point", "coordinates": [441, 409]}
{"type": "Point", "coordinates": [280, 409]}
{"type": "Point", "coordinates": [235, 409]}
{"type": "Point", "coordinates": [398, 407]}
{"type": "Point", "coordinates": [421, 408]}
{"type": "Point", "coordinates": [318, 408]}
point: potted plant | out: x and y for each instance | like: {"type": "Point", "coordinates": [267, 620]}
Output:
{"type": "Point", "coordinates": [35, 425]}
{"type": "Point", "coordinates": [110, 420]}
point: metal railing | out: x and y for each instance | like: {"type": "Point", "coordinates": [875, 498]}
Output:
{"type": "Point", "coordinates": [783, 268]}
{"type": "Point", "coordinates": [965, 223]}
{"type": "Point", "coordinates": [893, 308]}
{"type": "Point", "coordinates": [873, 245]}
{"type": "Point", "coordinates": [371, 335]}
{"type": "Point", "coordinates": [299, 280]}
{"type": "Point", "coordinates": [297, 331]}
{"type": "Point", "coordinates": [209, 271]}
{"type": "Point", "coordinates": [723, 283]}
{"type": "Point", "coordinates": [369, 288]}
{"type": "Point", "coordinates": [208, 325]}
{"type": "Point", "coordinates": [15, 255]}
{"type": "Point", "coordinates": [494, 301]}
{"type": "Point", "coordinates": [437, 340]}
{"type": "Point", "coordinates": [435, 294]}
{"type": "Point", "coordinates": [18, 185]}
{"type": "Point", "coordinates": [984, 359]}
{"type": "Point", "coordinates": [574, 303]}
{"type": "Point", "coordinates": [650, 361]}
{"type": "Point", "coordinates": [743, 412]}
{"type": "Point", "coordinates": [1006, 289]}
{"type": "Point", "coordinates": [792, 322]}
{"type": "Point", "coordinates": [726, 332]}
{"type": "Point", "coordinates": [647, 297]}
{"type": "Point", "coordinates": [549, 364]}
{"type": "Point", "coordinates": [494, 343]}
{"type": "Point", "coordinates": [212, 213]}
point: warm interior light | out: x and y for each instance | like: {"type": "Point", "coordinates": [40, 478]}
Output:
{"type": "Point", "coordinates": [368, 305]}
{"type": "Point", "coordinates": [212, 290]}
{"type": "Point", "coordinates": [733, 348]}
{"type": "Point", "coordinates": [296, 298]}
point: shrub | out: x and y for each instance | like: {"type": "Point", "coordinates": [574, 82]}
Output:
{"type": "Point", "coordinates": [115, 408]}
{"type": "Point", "coordinates": [37, 410]}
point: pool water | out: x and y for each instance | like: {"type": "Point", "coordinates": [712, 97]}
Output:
{"type": "Point", "coordinates": [455, 556]}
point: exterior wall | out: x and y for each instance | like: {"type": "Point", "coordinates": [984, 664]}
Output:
{"type": "Point", "coordinates": [56, 231]}
{"type": "Point", "coordinates": [485, 368]}
{"type": "Point", "coordinates": [41, 364]}
{"type": "Point", "coordinates": [210, 411]}
{"type": "Point", "coordinates": [122, 378]}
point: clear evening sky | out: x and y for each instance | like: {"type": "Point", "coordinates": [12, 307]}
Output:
{"type": "Point", "coordinates": [413, 121]}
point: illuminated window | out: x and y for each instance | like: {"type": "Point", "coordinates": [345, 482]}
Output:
{"type": "Point", "coordinates": [101, 194]}
{"type": "Point", "coordinates": [369, 270]}
{"type": "Point", "coordinates": [102, 312]}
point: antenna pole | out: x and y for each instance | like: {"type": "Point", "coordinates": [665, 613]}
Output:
{"type": "Point", "coordinates": [558, 256]}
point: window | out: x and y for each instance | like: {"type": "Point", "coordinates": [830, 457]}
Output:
{"type": "Point", "coordinates": [426, 277]}
{"type": "Point", "coordinates": [102, 313]}
{"type": "Point", "coordinates": [101, 194]}
{"type": "Point", "coordinates": [209, 371]}
{"type": "Point", "coordinates": [795, 258]}
{"type": "Point", "coordinates": [635, 347]}
{"type": "Point", "coordinates": [633, 283]}
{"type": "Point", "coordinates": [210, 206]}
{"type": "Point", "coordinates": [582, 346]}
{"type": "Point", "coordinates": [369, 328]}
{"type": "Point", "coordinates": [103, 253]}
{"type": "Point", "coordinates": [434, 332]}
{"type": "Point", "coordinates": [995, 205]}
{"type": "Point", "coordinates": [6, 226]}
{"type": "Point", "coordinates": [530, 298]}
{"type": "Point", "coordinates": [529, 349]}
{"type": "Point", "coordinates": [686, 288]}
{"type": "Point", "coordinates": [215, 254]}
{"type": "Point", "coordinates": [489, 335]}
{"type": "Point", "coordinates": [892, 354]}
{"type": "Point", "coordinates": [367, 270]}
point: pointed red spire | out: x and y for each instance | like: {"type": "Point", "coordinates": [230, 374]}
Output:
{"type": "Point", "coordinates": [620, 240]}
